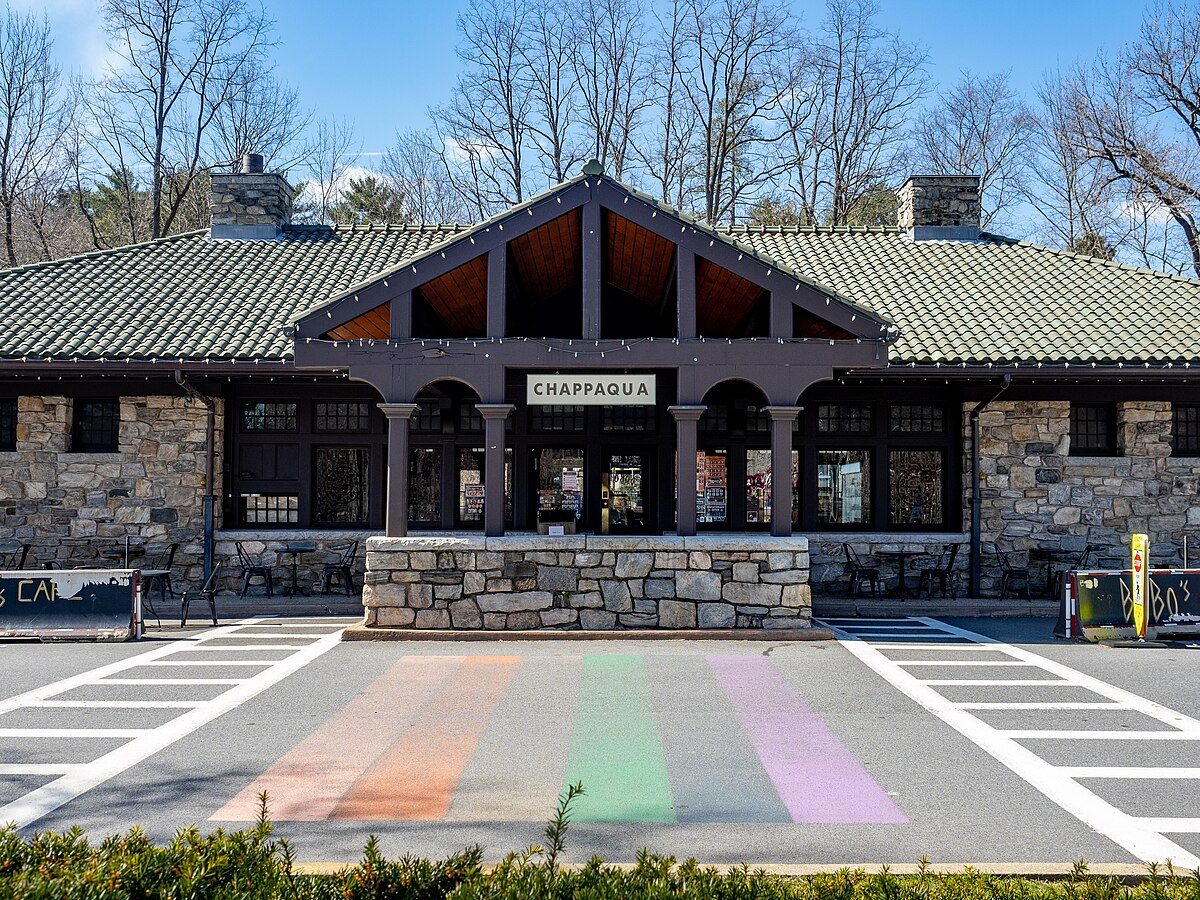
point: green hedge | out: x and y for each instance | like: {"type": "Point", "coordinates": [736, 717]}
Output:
{"type": "Point", "coordinates": [255, 865]}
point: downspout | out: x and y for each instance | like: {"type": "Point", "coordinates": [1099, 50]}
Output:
{"type": "Point", "coordinates": [976, 492]}
{"type": "Point", "coordinates": [210, 435]}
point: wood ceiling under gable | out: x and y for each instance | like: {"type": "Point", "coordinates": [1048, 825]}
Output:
{"type": "Point", "coordinates": [548, 259]}
{"type": "Point", "coordinates": [723, 299]}
{"type": "Point", "coordinates": [460, 297]}
{"type": "Point", "coordinates": [637, 261]}
{"type": "Point", "coordinates": [374, 324]}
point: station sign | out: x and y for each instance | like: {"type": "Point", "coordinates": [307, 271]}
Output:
{"type": "Point", "coordinates": [590, 390]}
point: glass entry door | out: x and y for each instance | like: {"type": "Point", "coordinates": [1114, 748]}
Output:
{"type": "Point", "coordinates": [623, 491]}
{"type": "Point", "coordinates": [559, 478]}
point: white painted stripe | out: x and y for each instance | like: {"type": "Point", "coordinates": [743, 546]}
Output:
{"type": "Point", "coordinates": [1173, 826]}
{"type": "Point", "coordinates": [1143, 842]}
{"type": "Point", "coordinates": [1080, 705]}
{"type": "Point", "coordinates": [993, 682]}
{"type": "Point", "coordinates": [1067, 735]}
{"type": "Point", "coordinates": [906, 625]}
{"type": "Point", "coordinates": [116, 704]}
{"type": "Point", "coordinates": [166, 681]}
{"type": "Point", "coordinates": [45, 799]}
{"type": "Point", "coordinates": [277, 636]}
{"type": "Point", "coordinates": [1104, 689]}
{"type": "Point", "coordinates": [39, 768]}
{"type": "Point", "coordinates": [210, 662]}
{"type": "Point", "coordinates": [1131, 772]}
{"type": "Point", "coordinates": [961, 645]}
{"type": "Point", "coordinates": [962, 662]}
{"type": "Point", "coordinates": [72, 732]}
{"type": "Point", "coordinates": [895, 636]}
{"type": "Point", "coordinates": [203, 648]}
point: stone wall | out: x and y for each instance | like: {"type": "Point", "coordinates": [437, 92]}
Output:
{"type": "Point", "coordinates": [529, 582]}
{"type": "Point", "coordinates": [830, 573]}
{"type": "Point", "coordinates": [70, 506]}
{"type": "Point", "coordinates": [267, 546]}
{"type": "Point", "coordinates": [1037, 495]}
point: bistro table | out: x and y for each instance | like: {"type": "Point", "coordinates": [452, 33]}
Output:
{"type": "Point", "coordinates": [1050, 556]}
{"type": "Point", "coordinates": [294, 550]}
{"type": "Point", "coordinates": [902, 557]}
{"type": "Point", "coordinates": [124, 554]}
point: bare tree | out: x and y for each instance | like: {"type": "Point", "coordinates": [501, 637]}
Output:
{"type": "Point", "coordinates": [1075, 202]}
{"type": "Point", "coordinates": [31, 119]}
{"type": "Point", "coordinates": [1138, 114]}
{"type": "Point", "coordinates": [668, 153]}
{"type": "Point", "coordinates": [980, 126]}
{"type": "Point", "coordinates": [852, 88]}
{"type": "Point", "coordinates": [331, 151]}
{"type": "Point", "coordinates": [421, 173]}
{"type": "Point", "coordinates": [549, 55]}
{"type": "Point", "coordinates": [181, 61]}
{"type": "Point", "coordinates": [611, 72]}
{"type": "Point", "coordinates": [263, 116]}
{"type": "Point", "coordinates": [487, 123]}
{"type": "Point", "coordinates": [735, 46]}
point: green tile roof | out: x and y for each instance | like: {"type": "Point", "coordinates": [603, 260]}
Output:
{"type": "Point", "coordinates": [994, 300]}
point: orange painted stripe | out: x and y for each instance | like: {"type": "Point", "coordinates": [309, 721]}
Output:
{"type": "Point", "coordinates": [307, 782]}
{"type": "Point", "coordinates": [416, 778]}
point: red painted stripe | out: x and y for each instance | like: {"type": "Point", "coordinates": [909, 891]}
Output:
{"type": "Point", "coordinates": [416, 778]}
{"type": "Point", "coordinates": [306, 783]}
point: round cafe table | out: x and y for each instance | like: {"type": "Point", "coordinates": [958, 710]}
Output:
{"type": "Point", "coordinates": [902, 557]}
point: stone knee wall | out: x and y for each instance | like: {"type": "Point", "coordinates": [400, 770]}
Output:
{"type": "Point", "coordinates": [69, 505]}
{"type": "Point", "coordinates": [268, 547]}
{"type": "Point", "coordinates": [1035, 494]}
{"type": "Point", "coordinates": [577, 582]}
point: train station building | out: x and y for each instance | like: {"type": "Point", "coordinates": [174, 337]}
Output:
{"type": "Point", "coordinates": [593, 411]}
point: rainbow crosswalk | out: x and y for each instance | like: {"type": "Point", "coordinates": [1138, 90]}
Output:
{"type": "Point", "coordinates": [496, 738]}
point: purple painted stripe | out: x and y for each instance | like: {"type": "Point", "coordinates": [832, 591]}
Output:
{"type": "Point", "coordinates": [817, 778]}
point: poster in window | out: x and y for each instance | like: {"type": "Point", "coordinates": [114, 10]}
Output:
{"type": "Point", "coordinates": [714, 501]}
{"type": "Point", "coordinates": [473, 499]}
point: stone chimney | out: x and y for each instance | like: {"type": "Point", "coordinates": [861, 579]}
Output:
{"type": "Point", "coordinates": [940, 207]}
{"type": "Point", "coordinates": [250, 205]}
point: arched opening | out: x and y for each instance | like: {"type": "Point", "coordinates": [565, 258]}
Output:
{"type": "Point", "coordinates": [446, 481]}
{"type": "Point", "coordinates": [733, 459]}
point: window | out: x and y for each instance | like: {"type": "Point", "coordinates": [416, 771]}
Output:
{"type": "Point", "coordinates": [917, 418]}
{"type": "Point", "coordinates": [270, 416]}
{"type": "Point", "coordinates": [343, 417]}
{"type": "Point", "coordinates": [556, 418]}
{"type": "Point", "coordinates": [845, 418]}
{"type": "Point", "coordinates": [844, 487]}
{"type": "Point", "coordinates": [469, 418]}
{"type": "Point", "coordinates": [425, 485]}
{"type": "Point", "coordinates": [1185, 430]}
{"type": "Point", "coordinates": [97, 426]}
{"type": "Point", "coordinates": [712, 484]}
{"type": "Point", "coordinates": [1093, 430]}
{"type": "Point", "coordinates": [757, 420]}
{"type": "Point", "coordinates": [628, 418]}
{"type": "Point", "coordinates": [8, 424]}
{"type": "Point", "coordinates": [715, 418]}
{"type": "Point", "coordinates": [428, 416]}
{"type": "Point", "coordinates": [269, 509]}
{"type": "Point", "coordinates": [340, 486]}
{"type": "Point", "coordinates": [916, 480]}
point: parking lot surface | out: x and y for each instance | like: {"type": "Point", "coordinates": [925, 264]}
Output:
{"type": "Point", "coordinates": [978, 741]}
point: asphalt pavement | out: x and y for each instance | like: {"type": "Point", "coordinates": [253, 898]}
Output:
{"type": "Point", "coordinates": [982, 741]}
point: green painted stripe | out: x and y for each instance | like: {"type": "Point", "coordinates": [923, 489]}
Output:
{"type": "Point", "coordinates": [616, 749]}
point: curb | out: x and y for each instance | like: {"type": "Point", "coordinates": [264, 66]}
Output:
{"type": "Point", "coordinates": [1127, 873]}
{"type": "Point", "coordinates": [374, 633]}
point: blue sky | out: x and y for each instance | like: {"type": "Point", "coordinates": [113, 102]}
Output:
{"type": "Point", "coordinates": [381, 64]}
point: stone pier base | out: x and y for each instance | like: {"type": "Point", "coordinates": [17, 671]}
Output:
{"type": "Point", "coordinates": [525, 582]}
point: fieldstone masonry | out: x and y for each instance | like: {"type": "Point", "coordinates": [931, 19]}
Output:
{"type": "Point", "coordinates": [939, 201]}
{"type": "Point", "coordinates": [70, 506]}
{"type": "Point", "coordinates": [596, 583]}
{"type": "Point", "coordinates": [1035, 494]}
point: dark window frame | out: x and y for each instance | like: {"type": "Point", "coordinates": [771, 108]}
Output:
{"type": "Point", "coordinates": [8, 424]}
{"type": "Point", "coordinates": [1190, 446]}
{"type": "Point", "coordinates": [1086, 426]}
{"type": "Point", "coordinates": [96, 425]}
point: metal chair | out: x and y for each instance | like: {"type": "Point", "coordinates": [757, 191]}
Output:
{"type": "Point", "coordinates": [252, 567]}
{"type": "Point", "coordinates": [943, 570]}
{"type": "Point", "coordinates": [1010, 572]}
{"type": "Point", "coordinates": [207, 592]}
{"type": "Point", "coordinates": [343, 570]}
{"type": "Point", "coordinates": [161, 561]}
{"type": "Point", "coordinates": [1080, 562]}
{"type": "Point", "coordinates": [15, 558]}
{"type": "Point", "coordinates": [860, 573]}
